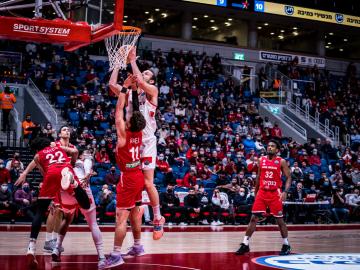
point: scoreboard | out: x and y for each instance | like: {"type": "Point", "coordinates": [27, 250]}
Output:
{"type": "Point", "coordinates": [235, 4]}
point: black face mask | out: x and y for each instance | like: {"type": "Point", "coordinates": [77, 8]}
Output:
{"type": "Point", "coordinates": [169, 191]}
{"type": "Point", "coordinates": [112, 171]}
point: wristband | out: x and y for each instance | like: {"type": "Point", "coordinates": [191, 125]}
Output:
{"type": "Point", "coordinates": [124, 90]}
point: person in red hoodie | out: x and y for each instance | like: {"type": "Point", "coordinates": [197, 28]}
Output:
{"type": "Point", "coordinates": [4, 174]}
{"type": "Point", "coordinates": [189, 179]}
{"type": "Point", "coordinates": [314, 159]}
{"type": "Point", "coordinates": [276, 132]}
{"type": "Point", "coordinates": [101, 156]}
{"type": "Point", "coordinates": [162, 165]}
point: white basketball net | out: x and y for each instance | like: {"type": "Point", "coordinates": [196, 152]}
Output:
{"type": "Point", "coordinates": [118, 46]}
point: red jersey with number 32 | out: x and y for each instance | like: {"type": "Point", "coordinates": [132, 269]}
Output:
{"type": "Point", "coordinates": [270, 173]}
{"type": "Point", "coordinates": [128, 156]}
{"type": "Point", "coordinates": [52, 155]}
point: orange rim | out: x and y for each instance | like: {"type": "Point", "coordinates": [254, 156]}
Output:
{"type": "Point", "coordinates": [130, 30]}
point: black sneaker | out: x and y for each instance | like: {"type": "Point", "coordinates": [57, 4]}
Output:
{"type": "Point", "coordinates": [285, 250]}
{"type": "Point", "coordinates": [243, 249]}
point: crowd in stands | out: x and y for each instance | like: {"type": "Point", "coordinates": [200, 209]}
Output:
{"type": "Point", "coordinates": [334, 97]}
{"type": "Point", "coordinates": [210, 138]}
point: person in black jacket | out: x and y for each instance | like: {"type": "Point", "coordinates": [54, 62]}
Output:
{"type": "Point", "coordinates": [6, 201]}
{"type": "Point", "coordinates": [205, 206]}
{"type": "Point", "coordinates": [192, 205]}
{"type": "Point", "coordinates": [170, 204]}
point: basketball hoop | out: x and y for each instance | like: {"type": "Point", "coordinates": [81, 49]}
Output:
{"type": "Point", "coordinates": [119, 45]}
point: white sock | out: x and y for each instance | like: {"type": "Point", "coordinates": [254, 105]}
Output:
{"type": "Point", "coordinates": [246, 240]}
{"type": "Point", "coordinates": [137, 242]}
{"type": "Point", "coordinates": [285, 241]}
{"type": "Point", "coordinates": [95, 232]}
{"type": "Point", "coordinates": [32, 243]}
{"type": "Point", "coordinates": [60, 240]}
{"type": "Point", "coordinates": [54, 235]}
{"type": "Point", "coordinates": [48, 236]}
{"type": "Point", "coordinates": [117, 250]}
{"type": "Point", "coordinates": [156, 210]}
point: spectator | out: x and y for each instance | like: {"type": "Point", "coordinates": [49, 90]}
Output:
{"type": "Point", "coordinates": [10, 163]}
{"type": "Point", "coordinates": [49, 132]}
{"type": "Point", "coordinates": [7, 101]}
{"type": "Point", "coordinates": [205, 205]}
{"type": "Point", "coordinates": [276, 132]}
{"type": "Point", "coordinates": [24, 199]}
{"type": "Point", "coordinates": [220, 204]}
{"type": "Point", "coordinates": [192, 204]}
{"type": "Point", "coordinates": [171, 204]}
{"type": "Point", "coordinates": [4, 174]}
{"type": "Point", "coordinates": [6, 201]}
{"type": "Point", "coordinates": [338, 205]}
{"type": "Point", "coordinates": [102, 157]}
{"type": "Point", "coordinates": [298, 195]}
{"type": "Point", "coordinates": [353, 200]}
{"type": "Point", "coordinates": [106, 200]}
{"type": "Point", "coordinates": [112, 178]}
{"type": "Point", "coordinates": [27, 126]}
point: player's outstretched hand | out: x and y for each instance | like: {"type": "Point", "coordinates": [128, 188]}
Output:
{"type": "Point", "coordinates": [139, 79]}
{"type": "Point", "coordinates": [20, 180]}
{"type": "Point", "coordinates": [132, 54]}
{"type": "Point", "coordinates": [129, 81]}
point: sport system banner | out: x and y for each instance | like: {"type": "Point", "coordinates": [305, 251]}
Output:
{"type": "Point", "coordinates": [306, 13]}
{"type": "Point", "coordinates": [283, 57]}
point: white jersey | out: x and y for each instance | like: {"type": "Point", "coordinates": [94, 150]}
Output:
{"type": "Point", "coordinates": [148, 110]}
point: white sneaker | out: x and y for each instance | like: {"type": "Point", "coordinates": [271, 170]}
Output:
{"type": "Point", "coordinates": [214, 223]}
{"type": "Point", "coordinates": [170, 224]}
{"type": "Point", "coordinates": [219, 223]}
{"type": "Point", "coordinates": [66, 179]}
{"type": "Point", "coordinates": [30, 256]}
{"type": "Point", "coordinates": [183, 224]}
{"type": "Point", "coordinates": [205, 222]}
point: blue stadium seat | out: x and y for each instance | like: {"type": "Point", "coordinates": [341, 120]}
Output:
{"type": "Point", "coordinates": [60, 101]}
{"type": "Point", "coordinates": [105, 125]}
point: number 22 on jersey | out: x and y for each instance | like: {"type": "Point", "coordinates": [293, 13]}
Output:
{"type": "Point", "coordinates": [58, 157]}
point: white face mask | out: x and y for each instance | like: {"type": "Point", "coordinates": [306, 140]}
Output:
{"type": "Point", "coordinates": [242, 193]}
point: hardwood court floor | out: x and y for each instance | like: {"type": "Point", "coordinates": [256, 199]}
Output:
{"type": "Point", "coordinates": [192, 247]}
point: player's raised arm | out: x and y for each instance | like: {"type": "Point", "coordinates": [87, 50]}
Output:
{"type": "Point", "coordinates": [286, 171]}
{"type": "Point", "coordinates": [119, 120]}
{"type": "Point", "coordinates": [113, 84]}
{"type": "Point", "coordinates": [146, 84]}
{"type": "Point", "coordinates": [22, 177]}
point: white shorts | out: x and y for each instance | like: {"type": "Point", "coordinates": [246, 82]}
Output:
{"type": "Point", "coordinates": [149, 153]}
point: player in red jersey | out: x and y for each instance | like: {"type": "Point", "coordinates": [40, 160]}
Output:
{"type": "Point", "coordinates": [131, 184]}
{"type": "Point", "coordinates": [55, 168]}
{"type": "Point", "coordinates": [268, 194]}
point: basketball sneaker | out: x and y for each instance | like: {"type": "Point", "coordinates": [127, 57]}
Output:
{"type": "Point", "coordinates": [134, 251]}
{"type": "Point", "coordinates": [66, 179]}
{"type": "Point", "coordinates": [285, 250]}
{"type": "Point", "coordinates": [113, 260]}
{"type": "Point", "coordinates": [56, 255]}
{"type": "Point", "coordinates": [50, 245]}
{"type": "Point", "coordinates": [158, 228]}
{"type": "Point", "coordinates": [30, 256]}
{"type": "Point", "coordinates": [101, 263]}
{"type": "Point", "coordinates": [243, 249]}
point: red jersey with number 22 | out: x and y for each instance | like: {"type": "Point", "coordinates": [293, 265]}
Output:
{"type": "Point", "coordinates": [128, 156]}
{"type": "Point", "coordinates": [52, 155]}
{"type": "Point", "coordinates": [270, 173]}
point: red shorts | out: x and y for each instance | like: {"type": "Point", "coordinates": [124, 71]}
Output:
{"type": "Point", "coordinates": [52, 182]}
{"type": "Point", "coordinates": [271, 199]}
{"type": "Point", "coordinates": [129, 189]}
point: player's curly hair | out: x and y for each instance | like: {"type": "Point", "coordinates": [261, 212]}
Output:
{"type": "Point", "coordinates": [276, 142]}
{"type": "Point", "coordinates": [137, 122]}
{"type": "Point", "coordinates": [39, 144]}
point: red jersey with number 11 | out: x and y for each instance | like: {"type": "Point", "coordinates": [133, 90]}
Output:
{"type": "Point", "coordinates": [52, 155]}
{"type": "Point", "coordinates": [270, 173]}
{"type": "Point", "coordinates": [128, 156]}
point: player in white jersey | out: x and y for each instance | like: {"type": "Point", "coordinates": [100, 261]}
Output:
{"type": "Point", "coordinates": [148, 100]}
{"type": "Point", "coordinates": [83, 171]}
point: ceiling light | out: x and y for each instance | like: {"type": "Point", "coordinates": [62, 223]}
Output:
{"type": "Point", "coordinates": [266, 24]}
{"type": "Point", "coordinates": [281, 37]}
{"type": "Point", "coordinates": [124, 21]}
{"type": "Point", "coordinates": [329, 43]}
{"type": "Point", "coordinates": [125, 16]}
{"type": "Point", "coordinates": [146, 12]}
{"type": "Point", "coordinates": [151, 20]}
{"type": "Point", "coordinates": [295, 33]}
{"type": "Point", "coordinates": [156, 9]}
{"type": "Point", "coordinates": [331, 33]}
{"type": "Point", "coordinates": [212, 21]}
{"type": "Point", "coordinates": [195, 18]}
{"type": "Point", "coordinates": [164, 15]}
{"type": "Point", "coordinates": [227, 24]}
{"type": "Point", "coordinates": [111, 12]}
{"type": "Point", "coordinates": [259, 27]}
{"type": "Point", "coordinates": [341, 50]}
{"type": "Point", "coordinates": [194, 27]}
{"type": "Point", "coordinates": [327, 47]}
{"type": "Point", "coordinates": [282, 31]}
{"type": "Point", "coordinates": [272, 33]}
{"type": "Point", "coordinates": [205, 16]}
{"type": "Point", "coordinates": [214, 28]}
{"type": "Point", "coordinates": [295, 28]}
{"type": "Point", "coordinates": [230, 19]}
{"type": "Point", "coordinates": [345, 39]}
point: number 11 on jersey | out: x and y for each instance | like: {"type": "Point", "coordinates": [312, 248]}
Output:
{"type": "Point", "coordinates": [134, 153]}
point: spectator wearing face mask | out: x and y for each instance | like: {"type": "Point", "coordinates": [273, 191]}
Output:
{"type": "Point", "coordinates": [355, 176]}
{"type": "Point", "coordinates": [249, 144]}
{"type": "Point", "coordinates": [24, 199]}
{"type": "Point", "coordinates": [15, 172]}
{"type": "Point", "coordinates": [112, 178]}
{"type": "Point", "coordinates": [4, 174]}
{"type": "Point", "coordinates": [353, 200]}
{"type": "Point", "coordinates": [171, 204]}
{"type": "Point", "coordinates": [7, 101]}
{"type": "Point", "coordinates": [6, 201]}
{"type": "Point", "coordinates": [276, 132]}
{"type": "Point", "coordinates": [339, 209]}
{"type": "Point", "coordinates": [220, 204]}
{"type": "Point", "coordinates": [189, 179]}
{"type": "Point", "coordinates": [106, 199]}
{"type": "Point", "coordinates": [49, 132]}
{"type": "Point", "coordinates": [102, 157]}
{"type": "Point", "coordinates": [191, 203]}
{"type": "Point", "coordinates": [314, 159]}
{"type": "Point", "coordinates": [27, 126]}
